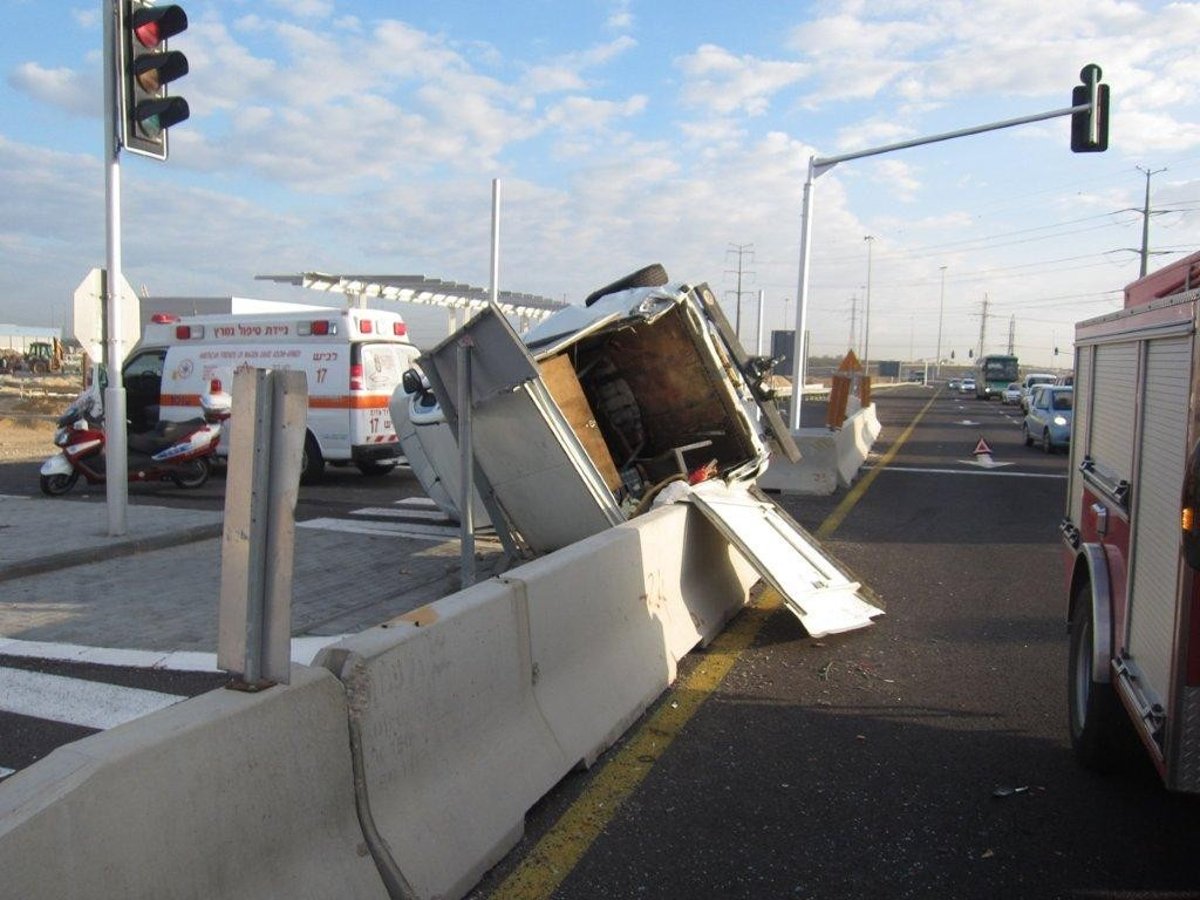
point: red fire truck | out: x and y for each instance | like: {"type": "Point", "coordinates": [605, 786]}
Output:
{"type": "Point", "coordinates": [1132, 529]}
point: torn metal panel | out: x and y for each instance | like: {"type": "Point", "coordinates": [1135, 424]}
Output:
{"type": "Point", "coordinates": [813, 586]}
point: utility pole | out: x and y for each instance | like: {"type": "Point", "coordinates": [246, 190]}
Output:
{"type": "Point", "coordinates": [1146, 217]}
{"type": "Point", "coordinates": [982, 326]}
{"type": "Point", "coordinates": [741, 250]}
{"type": "Point", "coordinates": [1012, 333]}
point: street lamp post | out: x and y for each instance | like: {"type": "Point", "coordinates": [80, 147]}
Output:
{"type": "Point", "coordinates": [870, 239]}
{"type": "Point", "coordinates": [937, 362]}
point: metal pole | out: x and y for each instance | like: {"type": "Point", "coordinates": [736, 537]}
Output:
{"type": "Point", "coordinates": [466, 503]}
{"type": "Point", "coordinates": [115, 449]}
{"type": "Point", "coordinates": [759, 349]}
{"type": "Point", "coordinates": [799, 363]}
{"type": "Point", "coordinates": [870, 239]}
{"type": "Point", "coordinates": [495, 283]}
{"type": "Point", "coordinates": [937, 362]}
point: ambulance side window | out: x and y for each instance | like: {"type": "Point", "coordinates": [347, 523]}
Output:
{"type": "Point", "coordinates": [382, 366]}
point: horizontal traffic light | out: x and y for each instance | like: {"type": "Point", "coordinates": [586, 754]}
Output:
{"type": "Point", "coordinates": [147, 66]}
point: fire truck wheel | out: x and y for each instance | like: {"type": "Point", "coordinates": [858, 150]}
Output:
{"type": "Point", "coordinates": [1097, 722]}
{"type": "Point", "coordinates": [312, 463]}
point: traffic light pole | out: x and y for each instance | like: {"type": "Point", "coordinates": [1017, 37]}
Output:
{"type": "Point", "coordinates": [818, 166]}
{"type": "Point", "coordinates": [116, 449]}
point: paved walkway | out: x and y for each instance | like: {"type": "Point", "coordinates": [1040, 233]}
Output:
{"type": "Point", "coordinates": [64, 580]}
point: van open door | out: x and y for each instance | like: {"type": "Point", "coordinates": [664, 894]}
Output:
{"type": "Point", "coordinates": [823, 598]}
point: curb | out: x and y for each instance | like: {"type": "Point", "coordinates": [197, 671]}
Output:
{"type": "Point", "coordinates": [99, 553]}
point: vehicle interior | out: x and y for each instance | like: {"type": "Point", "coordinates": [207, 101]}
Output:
{"type": "Point", "coordinates": [647, 404]}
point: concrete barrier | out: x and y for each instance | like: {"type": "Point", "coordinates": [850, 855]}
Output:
{"type": "Point", "coordinates": [466, 712]}
{"type": "Point", "coordinates": [225, 795]}
{"type": "Point", "coordinates": [829, 459]}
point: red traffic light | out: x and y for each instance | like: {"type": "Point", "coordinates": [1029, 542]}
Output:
{"type": "Point", "coordinates": [152, 25]}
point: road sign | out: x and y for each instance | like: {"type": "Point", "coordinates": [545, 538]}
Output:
{"type": "Point", "coordinates": [88, 316]}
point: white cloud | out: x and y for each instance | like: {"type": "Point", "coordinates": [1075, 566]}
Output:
{"type": "Point", "coordinates": [725, 83]}
{"type": "Point", "coordinates": [71, 90]}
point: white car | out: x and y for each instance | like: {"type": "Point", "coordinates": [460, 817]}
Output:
{"type": "Point", "coordinates": [1011, 396]}
{"type": "Point", "coordinates": [967, 386]}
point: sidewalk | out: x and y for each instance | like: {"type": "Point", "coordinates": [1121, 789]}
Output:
{"type": "Point", "coordinates": [64, 580]}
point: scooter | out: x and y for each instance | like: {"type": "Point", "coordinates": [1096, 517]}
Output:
{"type": "Point", "coordinates": [171, 451]}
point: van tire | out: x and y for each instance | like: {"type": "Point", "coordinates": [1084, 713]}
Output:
{"type": "Point", "coordinates": [650, 276]}
{"type": "Point", "coordinates": [312, 463]}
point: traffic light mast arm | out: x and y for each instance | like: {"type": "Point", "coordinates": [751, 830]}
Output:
{"type": "Point", "coordinates": [1091, 115]}
{"type": "Point", "coordinates": [824, 163]}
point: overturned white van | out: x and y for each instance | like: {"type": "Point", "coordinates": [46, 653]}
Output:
{"type": "Point", "coordinates": [601, 409]}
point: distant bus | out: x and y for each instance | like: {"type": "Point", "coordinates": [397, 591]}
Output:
{"type": "Point", "coordinates": [995, 372]}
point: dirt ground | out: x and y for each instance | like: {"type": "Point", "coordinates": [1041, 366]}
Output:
{"type": "Point", "coordinates": [28, 408]}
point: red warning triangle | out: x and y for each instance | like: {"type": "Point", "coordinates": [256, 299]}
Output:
{"type": "Point", "coordinates": [982, 448]}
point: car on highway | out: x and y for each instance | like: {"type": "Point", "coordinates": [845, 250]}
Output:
{"type": "Point", "coordinates": [967, 386]}
{"type": "Point", "coordinates": [953, 384]}
{"type": "Point", "coordinates": [1011, 395]}
{"type": "Point", "coordinates": [1048, 421]}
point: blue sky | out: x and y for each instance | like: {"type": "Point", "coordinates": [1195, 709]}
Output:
{"type": "Point", "coordinates": [355, 136]}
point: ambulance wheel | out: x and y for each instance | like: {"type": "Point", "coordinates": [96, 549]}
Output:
{"type": "Point", "coordinates": [1100, 734]}
{"type": "Point", "coordinates": [374, 468]}
{"type": "Point", "coordinates": [312, 463]}
{"type": "Point", "coordinates": [58, 484]}
{"type": "Point", "coordinates": [192, 474]}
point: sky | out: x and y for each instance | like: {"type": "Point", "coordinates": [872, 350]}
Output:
{"type": "Point", "coordinates": [351, 136]}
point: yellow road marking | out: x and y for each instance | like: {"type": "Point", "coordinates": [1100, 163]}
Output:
{"type": "Point", "coordinates": [561, 848]}
{"type": "Point", "coordinates": [558, 852]}
{"type": "Point", "coordinates": [835, 518]}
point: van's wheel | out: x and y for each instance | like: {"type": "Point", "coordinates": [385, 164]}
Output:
{"type": "Point", "coordinates": [1026, 436]}
{"type": "Point", "coordinates": [58, 484]}
{"type": "Point", "coordinates": [1047, 447]}
{"type": "Point", "coordinates": [374, 468]}
{"type": "Point", "coordinates": [192, 474]}
{"type": "Point", "coordinates": [312, 463]}
{"type": "Point", "coordinates": [1101, 736]}
{"type": "Point", "coordinates": [650, 276]}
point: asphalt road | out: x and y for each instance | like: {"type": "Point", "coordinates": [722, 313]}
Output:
{"type": "Point", "coordinates": [924, 757]}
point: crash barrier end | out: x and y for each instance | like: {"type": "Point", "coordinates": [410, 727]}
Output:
{"type": "Point", "coordinates": [468, 711]}
{"type": "Point", "coordinates": [829, 458]}
{"type": "Point", "coordinates": [228, 794]}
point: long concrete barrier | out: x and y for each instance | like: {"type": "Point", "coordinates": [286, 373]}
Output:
{"type": "Point", "coordinates": [225, 795]}
{"type": "Point", "coordinates": [829, 458]}
{"type": "Point", "coordinates": [466, 712]}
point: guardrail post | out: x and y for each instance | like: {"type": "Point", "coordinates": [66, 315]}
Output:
{"type": "Point", "coordinates": [270, 410]}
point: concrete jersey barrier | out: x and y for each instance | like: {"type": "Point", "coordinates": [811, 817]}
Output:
{"type": "Point", "coordinates": [225, 795]}
{"type": "Point", "coordinates": [466, 712]}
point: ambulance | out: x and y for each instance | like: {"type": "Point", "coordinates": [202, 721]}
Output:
{"type": "Point", "coordinates": [353, 360]}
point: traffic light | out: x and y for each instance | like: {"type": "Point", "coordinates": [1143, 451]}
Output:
{"type": "Point", "coordinates": [146, 68]}
{"type": "Point", "coordinates": [1089, 128]}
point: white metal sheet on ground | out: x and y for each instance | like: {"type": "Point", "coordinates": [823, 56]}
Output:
{"type": "Point", "coordinates": [92, 704]}
{"type": "Point", "coordinates": [824, 599]}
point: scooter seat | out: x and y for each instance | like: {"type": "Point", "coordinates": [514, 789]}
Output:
{"type": "Point", "coordinates": [162, 436]}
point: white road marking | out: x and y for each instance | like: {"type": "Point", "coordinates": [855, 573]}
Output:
{"type": "Point", "coordinates": [922, 471]}
{"type": "Point", "coordinates": [428, 515]}
{"type": "Point", "coordinates": [4, 773]}
{"type": "Point", "coordinates": [416, 501]}
{"type": "Point", "coordinates": [383, 529]}
{"type": "Point", "coordinates": [92, 704]}
{"type": "Point", "coordinates": [304, 650]}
